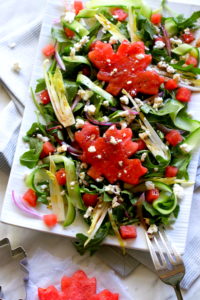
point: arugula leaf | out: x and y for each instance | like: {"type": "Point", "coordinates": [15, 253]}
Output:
{"type": "Point", "coordinates": [94, 244]}
{"type": "Point", "coordinates": [59, 35]}
{"type": "Point", "coordinates": [71, 88]}
{"type": "Point", "coordinates": [30, 158]}
{"type": "Point", "coordinates": [35, 128]}
{"type": "Point", "coordinates": [189, 68]}
{"type": "Point", "coordinates": [146, 28]}
{"type": "Point", "coordinates": [182, 162]}
{"type": "Point", "coordinates": [149, 208]}
{"type": "Point", "coordinates": [189, 22]}
{"type": "Point", "coordinates": [41, 85]}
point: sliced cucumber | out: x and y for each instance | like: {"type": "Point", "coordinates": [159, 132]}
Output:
{"type": "Point", "coordinates": [191, 142]}
{"type": "Point", "coordinates": [195, 52]}
{"type": "Point", "coordinates": [77, 59]}
{"type": "Point", "coordinates": [77, 27]}
{"type": "Point", "coordinates": [182, 49]}
{"type": "Point", "coordinates": [171, 26]}
{"type": "Point", "coordinates": [71, 213]}
{"type": "Point", "coordinates": [166, 203]}
{"type": "Point", "coordinates": [87, 13]}
{"type": "Point", "coordinates": [82, 79]}
{"type": "Point", "coordinates": [142, 187]}
{"type": "Point", "coordinates": [34, 178]}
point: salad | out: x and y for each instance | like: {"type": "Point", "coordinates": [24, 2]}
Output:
{"type": "Point", "coordinates": [113, 139]}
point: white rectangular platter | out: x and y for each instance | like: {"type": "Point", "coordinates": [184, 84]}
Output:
{"type": "Point", "coordinates": [11, 215]}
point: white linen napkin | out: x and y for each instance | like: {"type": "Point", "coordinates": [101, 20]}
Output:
{"type": "Point", "coordinates": [25, 35]}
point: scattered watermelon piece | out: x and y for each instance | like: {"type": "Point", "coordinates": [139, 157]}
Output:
{"type": "Point", "coordinates": [108, 155]}
{"type": "Point", "coordinates": [50, 293]}
{"type": "Point", "coordinates": [131, 62]}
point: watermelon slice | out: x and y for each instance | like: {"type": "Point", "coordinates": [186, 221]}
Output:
{"type": "Point", "coordinates": [50, 293]}
{"type": "Point", "coordinates": [105, 295]}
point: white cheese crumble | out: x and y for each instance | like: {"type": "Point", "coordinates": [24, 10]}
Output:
{"type": "Point", "coordinates": [114, 141]}
{"type": "Point", "coordinates": [112, 189]}
{"type": "Point", "coordinates": [72, 183]}
{"type": "Point", "coordinates": [149, 185]}
{"type": "Point", "coordinates": [12, 45]}
{"type": "Point", "coordinates": [42, 138]}
{"type": "Point", "coordinates": [79, 45]}
{"type": "Point", "coordinates": [124, 100]}
{"type": "Point", "coordinates": [69, 16]}
{"type": "Point", "coordinates": [62, 192]}
{"type": "Point", "coordinates": [43, 186]}
{"type": "Point", "coordinates": [178, 191]}
{"type": "Point", "coordinates": [123, 124]}
{"type": "Point", "coordinates": [92, 149]}
{"type": "Point", "coordinates": [62, 148]}
{"type": "Point", "coordinates": [140, 56]}
{"type": "Point", "coordinates": [176, 41]}
{"type": "Point", "coordinates": [113, 71]}
{"type": "Point", "coordinates": [106, 103]}
{"type": "Point", "coordinates": [170, 69]}
{"type": "Point", "coordinates": [159, 45]}
{"type": "Point", "coordinates": [186, 148]}
{"type": "Point", "coordinates": [177, 77]}
{"type": "Point", "coordinates": [158, 102]}
{"type": "Point", "coordinates": [82, 175]}
{"type": "Point", "coordinates": [88, 212]}
{"type": "Point", "coordinates": [90, 109]}
{"type": "Point", "coordinates": [115, 202]}
{"type": "Point", "coordinates": [162, 64]}
{"type": "Point", "coordinates": [99, 179]}
{"type": "Point", "coordinates": [16, 67]}
{"type": "Point", "coordinates": [187, 30]}
{"type": "Point", "coordinates": [79, 123]}
{"type": "Point", "coordinates": [85, 94]}
{"type": "Point", "coordinates": [129, 82]}
{"type": "Point", "coordinates": [143, 156]}
{"type": "Point", "coordinates": [120, 163]}
{"type": "Point", "coordinates": [152, 229]}
{"type": "Point", "coordinates": [105, 119]}
{"type": "Point", "coordinates": [113, 40]}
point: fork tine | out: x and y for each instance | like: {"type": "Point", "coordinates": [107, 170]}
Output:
{"type": "Point", "coordinates": [153, 253]}
{"type": "Point", "coordinates": [169, 248]}
{"type": "Point", "coordinates": [160, 251]}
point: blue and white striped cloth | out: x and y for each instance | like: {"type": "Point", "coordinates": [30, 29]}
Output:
{"type": "Point", "coordinates": [26, 36]}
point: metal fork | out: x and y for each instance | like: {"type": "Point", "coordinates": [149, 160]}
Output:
{"type": "Point", "coordinates": [167, 262]}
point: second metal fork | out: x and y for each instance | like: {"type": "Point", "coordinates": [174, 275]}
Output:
{"type": "Point", "coordinates": [167, 262]}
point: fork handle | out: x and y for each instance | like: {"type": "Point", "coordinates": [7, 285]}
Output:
{"type": "Point", "coordinates": [178, 292]}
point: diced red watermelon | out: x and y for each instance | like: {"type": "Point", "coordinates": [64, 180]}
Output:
{"type": "Point", "coordinates": [105, 295]}
{"type": "Point", "coordinates": [108, 155]}
{"type": "Point", "coordinates": [50, 293]}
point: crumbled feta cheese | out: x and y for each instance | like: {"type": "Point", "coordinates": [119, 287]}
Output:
{"type": "Point", "coordinates": [176, 41]}
{"type": "Point", "coordinates": [156, 169]}
{"type": "Point", "coordinates": [173, 61]}
{"type": "Point", "coordinates": [88, 212]}
{"type": "Point", "coordinates": [140, 56]}
{"type": "Point", "coordinates": [114, 141]}
{"type": "Point", "coordinates": [115, 202]}
{"type": "Point", "coordinates": [158, 102]}
{"type": "Point", "coordinates": [177, 77]}
{"type": "Point", "coordinates": [83, 166]}
{"type": "Point", "coordinates": [12, 45]}
{"type": "Point", "coordinates": [186, 148]}
{"type": "Point", "coordinates": [85, 94]}
{"type": "Point", "coordinates": [152, 229]}
{"type": "Point", "coordinates": [120, 163]}
{"type": "Point", "coordinates": [16, 67]}
{"type": "Point", "coordinates": [105, 103]}
{"type": "Point", "coordinates": [187, 30]}
{"type": "Point", "coordinates": [43, 186]}
{"type": "Point", "coordinates": [69, 16]}
{"type": "Point", "coordinates": [99, 179]}
{"type": "Point", "coordinates": [82, 175]}
{"type": "Point", "coordinates": [178, 191]}
{"type": "Point", "coordinates": [143, 156]}
{"type": "Point", "coordinates": [125, 172]}
{"type": "Point", "coordinates": [162, 64]}
{"type": "Point", "coordinates": [149, 185]}
{"type": "Point", "coordinates": [72, 183]}
{"type": "Point", "coordinates": [62, 193]}
{"type": "Point", "coordinates": [92, 149]}
{"type": "Point", "coordinates": [129, 82]}
{"type": "Point", "coordinates": [79, 45]}
{"type": "Point", "coordinates": [113, 40]}
{"type": "Point", "coordinates": [108, 60]}
{"type": "Point", "coordinates": [124, 100]}
{"type": "Point", "coordinates": [79, 123]}
{"type": "Point", "coordinates": [42, 138]}
{"type": "Point", "coordinates": [113, 71]}
{"type": "Point", "coordinates": [112, 189]}
{"type": "Point", "coordinates": [90, 109]}
{"type": "Point", "coordinates": [62, 148]}
{"type": "Point", "coordinates": [170, 69]}
{"type": "Point", "coordinates": [123, 124]}
{"type": "Point", "coordinates": [159, 45]}
{"type": "Point", "coordinates": [105, 119]}
{"type": "Point", "coordinates": [99, 156]}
